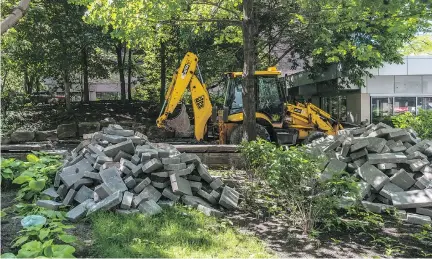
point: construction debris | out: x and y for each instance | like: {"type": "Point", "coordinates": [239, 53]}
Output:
{"type": "Point", "coordinates": [120, 170]}
{"type": "Point", "coordinates": [393, 166]}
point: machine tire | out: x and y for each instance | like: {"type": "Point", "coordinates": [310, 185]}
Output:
{"type": "Point", "coordinates": [313, 136]}
{"type": "Point", "coordinates": [237, 137]}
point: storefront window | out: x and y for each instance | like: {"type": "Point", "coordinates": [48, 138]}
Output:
{"type": "Point", "coordinates": [404, 104]}
{"type": "Point", "coordinates": [382, 108]}
{"type": "Point", "coordinates": [335, 106]}
{"type": "Point", "coordinates": [424, 103]}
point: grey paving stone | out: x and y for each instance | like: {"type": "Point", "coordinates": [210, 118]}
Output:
{"type": "Point", "coordinates": [57, 180]}
{"type": "Point", "coordinates": [206, 196]}
{"type": "Point", "coordinates": [121, 154]}
{"type": "Point", "coordinates": [375, 207]}
{"type": "Point", "coordinates": [137, 170]}
{"type": "Point", "coordinates": [209, 211]}
{"type": "Point", "coordinates": [51, 192]}
{"type": "Point", "coordinates": [107, 203]}
{"type": "Point", "coordinates": [423, 183]}
{"type": "Point", "coordinates": [192, 177]}
{"type": "Point", "coordinates": [83, 194]}
{"type": "Point", "coordinates": [152, 165]}
{"type": "Point", "coordinates": [424, 211]}
{"type": "Point", "coordinates": [148, 193]}
{"type": "Point", "coordinates": [203, 172]}
{"type": "Point", "coordinates": [387, 158]}
{"type": "Point", "coordinates": [361, 153]}
{"type": "Point", "coordinates": [346, 145]}
{"type": "Point", "coordinates": [189, 158]}
{"type": "Point", "coordinates": [144, 183]}
{"type": "Point", "coordinates": [412, 199]}
{"type": "Point", "coordinates": [358, 131]}
{"type": "Point", "coordinates": [107, 165]}
{"type": "Point", "coordinates": [166, 203]}
{"type": "Point", "coordinates": [373, 176]}
{"type": "Point", "coordinates": [385, 166]}
{"type": "Point", "coordinates": [69, 197]}
{"type": "Point", "coordinates": [103, 191]}
{"type": "Point", "coordinates": [195, 186]}
{"type": "Point", "coordinates": [333, 167]}
{"type": "Point", "coordinates": [160, 174]}
{"type": "Point", "coordinates": [359, 145]}
{"type": "Point", "coordinates": [130, 182]}
{"type": "Point", "coordinates": [78, 212]}
{"type": "Point", "coordinates": [418, 219]}
{"type": "Point", "coordinates": [62, 191]}
{"type": "Point", "coordinates": [180, 185]}
{"type": "Point", "coordinates": [385, 150]}
{"type": "Point", "coordinates": [145, 157]}
{"type": "Point", "coordinates": [92, 175]}
{"type": "Point", "coordinates": [161, 185]}
{"type": "Point", "coordinates": [112, 179]}
{"type": "Point", "coordinates": [48, 204]}
{"type": "Point", "coordinates": [417, 165]}
{"type": "Point", "coordinates": [359, 162]}
{"type": "Point", "coordinates": [149, 207]}
{"type": "Point", "coordinates": [175, 167]}
{"type": "Point", "coordinates": [216, 184]}
{"type": "Point", "coordinates": [194, 201]}
{"type": "Point", "coordinates": [101, 159]}
{"type": "Point", "coordinates": [402, 179]}
{"type": "Point", "coordinates": [127, 200]}
{"type": "Point", "coordinates": [171, 160]}
{"type": "Point", "coordinates": [333, 145]}
{"type": "Point", "coordinates": [229, 198]}
{"type": "Point", "coordinates": [364, 189]}
{"type": "Point", "coordinates": [113, 138]}
{"type": "Point", "coordinates": [215, 194]}
{"type": "Point", "coordinates": [83, 181]}
{"type": "Point", "coordinates": [188, 170]}
{"type": "Point", "coordinates": [126, 146]}
{"type": "Point", "coordinates": [388, 190]}
{"type": "Point", "coordinates": [135, 159]}
{"type": "Point", "coordinates": [118, 132]}
{"type": "Point", "coordinates": [167, 192]}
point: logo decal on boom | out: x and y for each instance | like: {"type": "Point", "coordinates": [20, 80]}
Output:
{"type": "Point", "coordinates": [298, 110]}
{"type": "Point", "coordinates": [200, 102]}
{"type": "Point", "coordinates": [185, 70]}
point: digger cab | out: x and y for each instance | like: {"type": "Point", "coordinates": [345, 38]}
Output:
{"type": "Point", "coordinates": [270, 102]}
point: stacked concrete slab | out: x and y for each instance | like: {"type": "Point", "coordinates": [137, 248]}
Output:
{"type": "Point", "coordinates": [118, 169]}
{"type": "Point", "coordinates": [393, 167]}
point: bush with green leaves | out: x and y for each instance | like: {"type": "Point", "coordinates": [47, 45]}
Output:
{"type": "Point", "coordinates": [422, 123]}
{"type": "Point", "coordinates": [33, 175]}
{"type": "Point", "coordinates": [294, 174]}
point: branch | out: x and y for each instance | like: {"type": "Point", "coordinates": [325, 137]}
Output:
{"type": "Point", "coordinates": [14, 17]}
{"type": "Point", "coordinates": [236, 22]}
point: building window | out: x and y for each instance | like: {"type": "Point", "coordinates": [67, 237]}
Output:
{"type": "Point", "coordinates": [382, 108]}
{"type": "Point", "coordinates": [336, 106]}
{"type": "Point", "coordinates": [424, 103]}
{"type": "Point", "coordinates": [107, 96]}
{"type": "Point", "coordinates": [404, 104]}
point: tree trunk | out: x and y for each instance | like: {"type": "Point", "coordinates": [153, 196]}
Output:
{"type": "Point", "coordinates": [248, 92]}
{"type": "Point", "coordinates": [4, 78]}
{"type": "Point", "coordinates": [130, 75]}
{"type": "Point", "coordinates": [162, 74]}
{"type": "Point", "coordinates": [120, 67]}
{"type": "Point", "coordinates": [86, 91]}
{"type": "Point", "coordinates": [67, 86]}
{"type": "Point", "coordinates": [14, 17]}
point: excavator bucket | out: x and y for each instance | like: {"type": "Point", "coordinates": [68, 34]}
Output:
{"type": "Point", "coordinates": [181, 122]}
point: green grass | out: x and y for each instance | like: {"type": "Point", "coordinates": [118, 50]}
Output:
{"type": "Point", "coordinates": [177, 232]}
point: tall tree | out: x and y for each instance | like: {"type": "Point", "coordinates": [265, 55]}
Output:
{"type": "Point", "coordinates": [162, 57]}
{"type": "Point", "coordinates": [130, 65]}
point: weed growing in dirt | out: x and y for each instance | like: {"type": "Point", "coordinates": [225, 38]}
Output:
{"type": "Point", "coordinates": [177, 232]}
{"type": "Point", "coordinates": [294, 177]}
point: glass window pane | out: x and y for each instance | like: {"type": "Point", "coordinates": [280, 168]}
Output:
{"type": "Point", "coordinates": [404, 104]}
{"type": "Point", "coordinates": [382, 107]}
{"type": "Point", "coordinates": [427, 84]}
{"type": "Point", "coordinates": [424, 103]}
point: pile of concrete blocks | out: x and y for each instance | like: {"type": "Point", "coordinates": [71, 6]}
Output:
{"type": "Point", "coordinates": [393, 166]}
{"type": "Point", "coordinates": [119, 169]}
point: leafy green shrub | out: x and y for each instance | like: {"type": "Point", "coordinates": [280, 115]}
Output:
{"type": "Point", "coordinates": [422, 123]}
{"type": "Point", "coordinates": [294, 174]}
{"type": "Point", "coordinates": [32, 175]}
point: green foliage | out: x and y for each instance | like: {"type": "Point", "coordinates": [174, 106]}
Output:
{"type": "Point", "coordinates": [32, 175]}
{"type": "Point", "coordinates": [49, 240]}
{"type": "Point", "coordinates": [420, 45]}
{"type": "Point", "coordinates": [422, 123]}
{"type": "Point", "coordinates": [312, 200]}
{"type": "Point", "coordinates": [177, 232]}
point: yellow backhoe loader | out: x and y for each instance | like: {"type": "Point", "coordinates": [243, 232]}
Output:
{"type": "Point", "coordinates": [277, 120]}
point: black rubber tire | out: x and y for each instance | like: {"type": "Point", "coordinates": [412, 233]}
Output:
{"type": "Point", "coordinates": [237, 135]}
{"type": "Point", "coordinates": [313, 136]}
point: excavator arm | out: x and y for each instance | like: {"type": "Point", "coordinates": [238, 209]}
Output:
{"type": "Point", "coordinates": [183, 78]}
